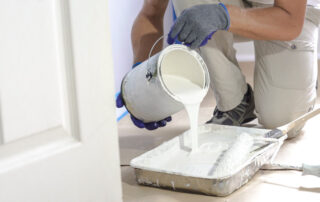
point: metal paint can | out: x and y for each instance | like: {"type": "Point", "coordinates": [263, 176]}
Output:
{"type": "Point", "coordinates": [144, 91]}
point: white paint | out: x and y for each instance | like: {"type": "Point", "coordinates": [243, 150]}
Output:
{"type": "Point", "coordinates": [187, 85]}
{"type": "Point", "coordinates": [174, 157]}
{"type": "Point", "coordinates": [187, 80]}
{"type": "Point", "coordinates": [191, 95]}
{"type": "Point", "coordinates": [67, 149]}
{"type": "Point", "coordinates": [193, 113]}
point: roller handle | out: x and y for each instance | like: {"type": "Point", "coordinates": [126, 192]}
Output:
{"type": "Point", "coordinates": [305, 168]}
{"type": "Point", "coordinates": [302, 119]}
{"type": "Point", "coordinates": [282, 130]}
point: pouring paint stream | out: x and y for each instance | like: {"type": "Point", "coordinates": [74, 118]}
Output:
{"type": "Point", "coordinates": [190, 95]}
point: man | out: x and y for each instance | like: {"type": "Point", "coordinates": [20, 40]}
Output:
{"type": "Point", "coordinates": [285, 36]}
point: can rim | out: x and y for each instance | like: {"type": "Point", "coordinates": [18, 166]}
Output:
{"type": "Point", "coordinates": [193, 53]}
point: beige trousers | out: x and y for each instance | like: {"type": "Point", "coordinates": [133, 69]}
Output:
{"type": "Point", "coordinates": [285, 71]}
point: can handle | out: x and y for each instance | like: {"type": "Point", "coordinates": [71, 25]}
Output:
{"type": "Point", "coordinates": [150, 73]}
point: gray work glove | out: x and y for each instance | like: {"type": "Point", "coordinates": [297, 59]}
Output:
{"type": "Point", "coordinates": [196, 25]}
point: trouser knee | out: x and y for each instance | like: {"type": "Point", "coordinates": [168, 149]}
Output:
{"type": "Point", "coordinates": [274, 120]}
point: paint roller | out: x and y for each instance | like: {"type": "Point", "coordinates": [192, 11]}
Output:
{"type": "Point", "coordinates": [233, 157]}
{"type": "Point", "coordinates": [237, 153]}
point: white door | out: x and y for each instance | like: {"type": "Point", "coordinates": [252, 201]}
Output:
{"type": "Point", "coordinates": [58, 139]}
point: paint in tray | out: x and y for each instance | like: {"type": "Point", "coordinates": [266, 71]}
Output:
{"type": "Point", "coordinates": [175, 156]}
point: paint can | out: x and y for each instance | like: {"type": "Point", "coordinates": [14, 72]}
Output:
{"type": "Point", "coordinates": [144, 91]}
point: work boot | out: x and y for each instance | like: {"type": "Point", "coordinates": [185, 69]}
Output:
{"type": "Point", "coordinates": [241, 114]}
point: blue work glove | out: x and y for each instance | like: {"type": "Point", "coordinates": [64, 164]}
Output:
{"type": "Point", "coordinates": [196, 25]}
{"type": "Point", "coordinates": [139, 123]}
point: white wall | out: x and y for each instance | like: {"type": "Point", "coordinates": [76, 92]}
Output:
{"type": "Point", "coordinates": [245, 51]}
{"type": "Point", "coordinates": [122, 14]}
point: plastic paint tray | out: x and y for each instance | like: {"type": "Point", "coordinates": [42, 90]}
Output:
{"type": "Point", "coordinates": [157, 176]}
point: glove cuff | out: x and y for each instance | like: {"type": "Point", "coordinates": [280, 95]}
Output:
{"type": "Point", "coordinates": [227, 13]}
{"type": "Point", "coordinates": [136, 64]}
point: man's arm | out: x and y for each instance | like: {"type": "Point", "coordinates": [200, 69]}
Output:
{"type": "Point", "coordinates": [283, 21]}
{"type": "Point", "coordinates": [147, 28]}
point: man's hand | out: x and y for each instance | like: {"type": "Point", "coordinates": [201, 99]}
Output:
{"type": "Point", "coordinates": [139, 123]}
{"type": "Point", "coordinates": [197, 24]}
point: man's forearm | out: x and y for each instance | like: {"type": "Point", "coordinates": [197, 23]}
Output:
{"type": "Point", "coordinates": [281, 22]}
{"type": "Point", "coordinates": [147, 28]}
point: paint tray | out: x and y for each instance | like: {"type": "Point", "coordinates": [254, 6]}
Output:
{"type": "Point", "coordinates": [151, 168]}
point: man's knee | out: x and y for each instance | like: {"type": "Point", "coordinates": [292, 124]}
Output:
{"type": "Point", "coordinates": [271, 119]}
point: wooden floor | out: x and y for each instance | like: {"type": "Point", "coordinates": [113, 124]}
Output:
{"type": "Point", "coordinates": [266, 186]}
